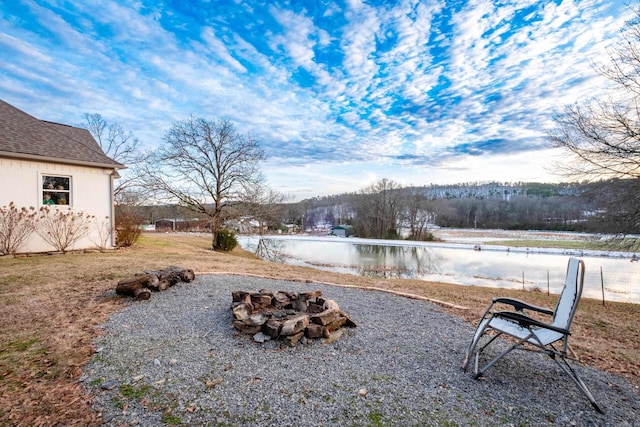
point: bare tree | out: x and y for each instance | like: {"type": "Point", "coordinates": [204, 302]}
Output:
{"type": "Point", "coordinates": [603, 135]}
{"type": "Point", "coordinates": [377, 210]}
{"type": "Point", "coordinates": [264, 204]}
{"type": "Point", "coordinates": [417, 215]}
{"type": "Point", "coordinates": [205, 166]}
{"type": "Point", "coordinates": [118, 144]}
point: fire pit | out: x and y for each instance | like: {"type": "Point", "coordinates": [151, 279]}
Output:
{"type": "Point", "coordinates": [288, 316]}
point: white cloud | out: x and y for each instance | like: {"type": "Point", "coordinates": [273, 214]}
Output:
{"type": "Point", "coordinates": [372, 90]}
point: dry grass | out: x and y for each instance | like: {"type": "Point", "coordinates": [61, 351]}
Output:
{"type": "Point", "coordinates": [52, 307]}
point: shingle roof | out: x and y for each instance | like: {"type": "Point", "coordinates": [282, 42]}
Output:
{"type": "Point", "coordinates": [24, 136]}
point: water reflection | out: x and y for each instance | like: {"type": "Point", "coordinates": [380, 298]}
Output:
{"type": "Point", "coordinates": [505, 269]}
{"type": "Point", "coordinates": [395, 262]}
{"type": "Point", "coordinates": [269, 250]}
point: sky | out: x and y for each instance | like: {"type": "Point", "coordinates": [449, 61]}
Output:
{"type": "Point", "coordinates": [340, 94]}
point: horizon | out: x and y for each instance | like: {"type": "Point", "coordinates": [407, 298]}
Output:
{"type": "Point", "coordinates": [340, 94]}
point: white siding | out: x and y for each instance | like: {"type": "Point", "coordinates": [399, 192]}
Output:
{"type": "Point", "coordinates": [21, 182]}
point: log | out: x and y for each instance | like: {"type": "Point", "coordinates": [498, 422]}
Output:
{"type": "Point", "coordinates": [170, 277]}
{"type": "Point", "coordinates": [130, 285]}
{"type": "Point", "coordinates": [163, 285]}
{"type": "Point", "coordinates": [141, 285]}
{"type": "Point", "coordinates": [142, 293]}
{"type": "Point", "coordinates": [156, 284]}
{"type": "Point", "coordinates": [186, 274]}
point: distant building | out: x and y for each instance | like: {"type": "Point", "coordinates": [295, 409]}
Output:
{"type": "Point", "coordinates": [246, 225]}
{"type": "Point", "coordinates": [341, 230]}
{"type": "Point", "coordinates": [179, 224]}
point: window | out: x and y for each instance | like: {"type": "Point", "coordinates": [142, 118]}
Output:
{"type": "Point", "coordinates": [56, 190]}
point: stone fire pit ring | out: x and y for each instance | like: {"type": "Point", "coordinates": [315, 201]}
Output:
{"type": "Point", "coordinates": [288, 316]}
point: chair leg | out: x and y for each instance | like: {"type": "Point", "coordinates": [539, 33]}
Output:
{"type": "Point", "coordinates": [568, 369]}
{"type": "Point", "coordinates": [479, 372]}
{"type": "Point", "coordinates": [474, 342]}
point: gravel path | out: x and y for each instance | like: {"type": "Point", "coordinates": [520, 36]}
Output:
{"type": "Point", "coordinates": [176, 360]}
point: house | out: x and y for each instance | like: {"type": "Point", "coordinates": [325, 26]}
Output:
{"type": "Point", "coordinates": [341, 230]}
{"type": "Point", "coordinates": [179, 224]}
{"type": "Point", "coordinates": [41, 160]}
{"type": "Point", "coordinates": [246, 225]}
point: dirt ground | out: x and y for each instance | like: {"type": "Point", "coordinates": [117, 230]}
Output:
{"type": "Point", "coordinates": [52, 307]}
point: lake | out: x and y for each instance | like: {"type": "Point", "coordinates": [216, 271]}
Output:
{"type": "Point", "coordinates": [493, 266]}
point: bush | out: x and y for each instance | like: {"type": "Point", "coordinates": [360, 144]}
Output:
{"type": "Point", "coordinates": [63, 228]}
{"type": "Point", "coordinates": [16, 225]}
{"type": "Point", "coordinates": [226, 240]}
{"type": "Point", "coordinates": [128, 225]}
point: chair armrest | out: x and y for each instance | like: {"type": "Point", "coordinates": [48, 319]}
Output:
{"type": "Point", "coordinates": [527, 322]}
{"type": "Point", "coordinates": [521, 305]}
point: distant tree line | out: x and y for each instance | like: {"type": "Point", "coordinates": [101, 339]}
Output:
{"type": "Point", "coordinates": [387, 210]}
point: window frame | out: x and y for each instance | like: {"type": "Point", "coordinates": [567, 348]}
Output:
{"type": "Point", "coordinates": [55, 180]}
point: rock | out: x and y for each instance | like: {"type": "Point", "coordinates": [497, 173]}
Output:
{"type": "Point", "coordinates": [108, 385]}
{"type": "Point", "coordinates": [295, 325]}
{"type": "Point", "coordinates": [260, 301]}
{"type": "Point", "coordinates": [334, 336]}
{"type": "Point", "coordinates": [292, 340]}
{"type": "Point", "coordinates": [289, 316]}
{"type": "Point", "coordinates": [325, 317]}
{"type": "Point", "coordinates": [349, 322]}
{"type": "Point", "coordinates": [336, 324]}
{"type": "Point", "coordinates": [311, 295]}
{"type": "Point", "coordinates": [330, 304]}
{"type": "Point", "coordinates": [314, 331]}
{"type": "Point", "coordinates": [242, 311]}
{"type": "Point", "coordinates": [281, 300]}
{"type": "Point", "coordinates": [260, 337]}
{"type": "Point", "coordinates": [257, 319]}
{"type": "Point", "coordinates": [272, 328]}
{"type": "Point", "coordinates": [246, 328]}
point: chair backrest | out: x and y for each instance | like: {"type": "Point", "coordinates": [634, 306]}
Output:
{"type": "Point", "coordinates": [568, 302]}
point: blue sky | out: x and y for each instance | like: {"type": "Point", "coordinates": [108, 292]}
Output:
{"type": "Point", "coordinates": [339, 93]}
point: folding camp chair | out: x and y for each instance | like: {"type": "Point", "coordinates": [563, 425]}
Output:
{"type": "Point", "coordinates": [530, 334]}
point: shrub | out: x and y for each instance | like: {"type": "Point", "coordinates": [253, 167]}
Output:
{"type": "Point", "coordinates": [16, 225]}
{"type": "Point", "coordinates": [63, 228]}
{"type": "Point", "coordinates": [128, 222]}
{"type": "Point", "coordinates": [226, 240]}
{"type": "Point", "coordinates": [102, 233]}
